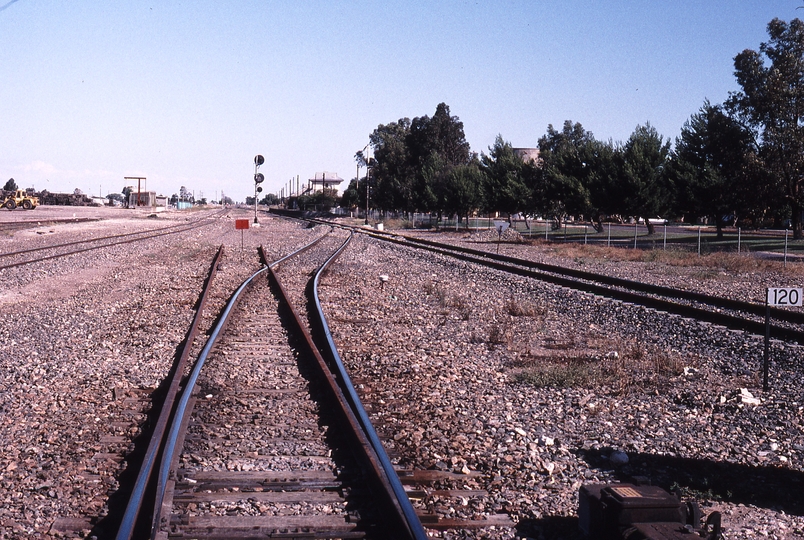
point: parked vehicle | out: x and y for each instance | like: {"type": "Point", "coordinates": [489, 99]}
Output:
{"type": "Point", "coordinates": [21, 198]}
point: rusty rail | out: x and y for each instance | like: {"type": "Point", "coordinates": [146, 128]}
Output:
{"type": "Point", "coordinates": [165, 439]}
{"type": "Point", "coordinates": [341, 387]}
{"type": "Point", "coordinates": [390, 478]}
{"type": "Point", "coordinates": [143, 477]}
{"type": "Point", "coordinates": [170, 443]}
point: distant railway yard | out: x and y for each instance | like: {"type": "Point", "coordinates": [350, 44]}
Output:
{"type": "Point", "coordinates": [496, 390]}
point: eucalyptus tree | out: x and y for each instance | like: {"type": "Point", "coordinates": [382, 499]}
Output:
{"type": "Point", "coordinates": [644, 180]}
{"type": "Point", "coordinates": [442, 134]}
{"type": "Point", "coordinates": [580, 175]}
{"type": "Point", "coordinates": [392, 173]}
{"type": "Point", "coordinates": [505, 189]}
{"type": "Point", "coordinates": [436, 146]}
{"type": "Point", "coordinates": [604, 161]}
{"type": "Point", "coordinates": [772, 102]}
{"type": "Point", "coordinates": [565, 169]}
{"type": "Point", "coordinates": [414, 159]}
{"type": "Point", "coordinates": [351, 198]}
{"type": "Point", "coordinates": [463, 190]}
{"type": "Point", "coordinates": [712, 169]}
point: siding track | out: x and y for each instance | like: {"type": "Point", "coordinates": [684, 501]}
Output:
{"type": "Point", "coordinates": [734, 314]}
{"type": "Point", "coordinates": [22, 257]}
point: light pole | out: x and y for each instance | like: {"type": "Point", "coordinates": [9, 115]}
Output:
{"type": "Point", "coordinates": [368, 172]}
{"type": "Point", "coordinates": [258, 179]}
{"type": "Point", "coordinates": [360, 157]}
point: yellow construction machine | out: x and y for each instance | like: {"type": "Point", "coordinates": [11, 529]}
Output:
{"type": "Point", "coordinates": [20, 198]}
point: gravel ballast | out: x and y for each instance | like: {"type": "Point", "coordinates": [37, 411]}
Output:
{"type": "Point", "coordinates": [442, 350]}
{"type": "Point", "coordinates": [86, 338]}
{"type": "Point", "coordinates": [447, 357]}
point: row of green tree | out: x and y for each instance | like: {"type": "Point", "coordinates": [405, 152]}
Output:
{"type": "Point", "coordinates": [742, 158]}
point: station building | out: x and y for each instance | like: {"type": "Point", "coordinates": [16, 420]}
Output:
{"type": "Point", "coordinates": [324, 180]}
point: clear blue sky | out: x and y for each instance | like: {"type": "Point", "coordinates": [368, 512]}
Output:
{"type": "Point", "coordinates": [186, 93]}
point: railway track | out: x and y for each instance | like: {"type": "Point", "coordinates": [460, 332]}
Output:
{"type": "Point", "coordinates": [387, 400]}
{"type": "Point", "coordinates": [733, 314]}
{"type": "Point", "coordinates": [22, 257]}
{"type": "Point", "coordinates": [263, 443]}
{"type": "Point", "coordinates": [240, 476]}
{"type": "Point", "coordinates": [33, 223]}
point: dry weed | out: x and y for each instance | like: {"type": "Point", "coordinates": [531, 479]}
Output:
{"type": "Point", "coordinates": [499, 334]}
{"type": "Point", "coordinates": [449, 300]}
{"type": "Point", "coordinates": [715, 261]}
{"type": "Point", "coordinates": [517, 308]}
{"type": "Point", "coordinates": [619, 366]}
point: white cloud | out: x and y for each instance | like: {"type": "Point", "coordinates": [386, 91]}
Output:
{"type": "Point", "coordinates": [40, 168]}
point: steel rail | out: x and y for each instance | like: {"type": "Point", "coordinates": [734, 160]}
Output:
{"type": "Point", "coordinates": [659, 290]}
{"type": "Point", "coordinates": [143, 477]}
{"type": "Point", "coordinates": [291, 255]}
{"type": "Point", "coordinates": [29, 223]}
{"type": "Point", "coordinates": [795, 317]}
{"type": "Point", "coordinates": [723, 319]}
{"type": "Point", "coordinates": [182, 406]}
{"type": "Point", "coordinates": [403, 500]}
{"type": "Point", "coordinates": [382, 474]}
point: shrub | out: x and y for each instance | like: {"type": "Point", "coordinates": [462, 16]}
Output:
{"type": "Point", "coordinates": [516, 308]}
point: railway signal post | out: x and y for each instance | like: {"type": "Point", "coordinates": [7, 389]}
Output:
{"type": "Point", "coordinates": [501, 227]}
{"type": "Point", "coordinates": [258, 179]}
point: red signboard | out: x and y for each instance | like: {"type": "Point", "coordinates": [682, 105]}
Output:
{"type": "Point", "coordinates": [241, 224]}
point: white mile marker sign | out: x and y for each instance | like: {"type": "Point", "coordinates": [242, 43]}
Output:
{"type": "Point", "coordinates": [785, 296]}
{"type": "Point", "coordinates": [778, 297]}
